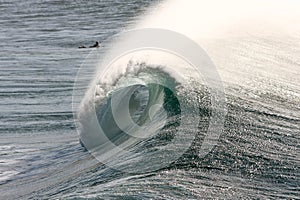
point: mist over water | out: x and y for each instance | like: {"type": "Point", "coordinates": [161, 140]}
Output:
{"type": "Point", "coordinates": [255, 46]}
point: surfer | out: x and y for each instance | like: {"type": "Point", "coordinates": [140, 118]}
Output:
{"type": "Point", "coordinates": [96, 45]}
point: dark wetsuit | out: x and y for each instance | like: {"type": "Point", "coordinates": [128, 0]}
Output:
{"type": "Point", "coordinates": [95, 45]}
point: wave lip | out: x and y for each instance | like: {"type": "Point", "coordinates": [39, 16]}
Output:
{"type": "Point", "coordinates": [128, 107]}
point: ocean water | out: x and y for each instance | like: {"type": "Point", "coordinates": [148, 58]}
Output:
{"type": "Point", "coordinates": [257, 152]}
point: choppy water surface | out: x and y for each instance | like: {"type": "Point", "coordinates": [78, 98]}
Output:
{"type": "Point", "coordinates": [257, 155]}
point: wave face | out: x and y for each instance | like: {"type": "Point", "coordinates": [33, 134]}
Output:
{"type": "Point", "coordinates": [139, 106]}
{"type": "Point", "coordinates": [141, 98]}
{"type": "Point", "coordinates": [154, 111]}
